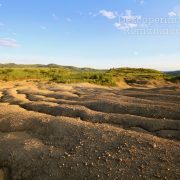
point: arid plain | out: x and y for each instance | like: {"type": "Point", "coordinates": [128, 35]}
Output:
{"type": "Point", "coordinates": [84, 131]}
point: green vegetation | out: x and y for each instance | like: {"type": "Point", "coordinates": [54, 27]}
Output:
{"type": "Point", "coordinates": [138, 75]}
{"type": "Point", "coordinates": [175, 76]}
{"type": "Point", "coordinates": [69, 74]}
{"type": "Point", "coordinates": [60, 75]}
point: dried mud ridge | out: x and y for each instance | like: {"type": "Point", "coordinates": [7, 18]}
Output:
{"type": "Point", "coordinates": [53, 131]}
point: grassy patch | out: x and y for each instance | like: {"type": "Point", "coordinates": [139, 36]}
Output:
{"type": "Point", "coordinates": [68, 74]}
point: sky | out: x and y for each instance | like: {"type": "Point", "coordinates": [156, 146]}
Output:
{"type": "Point", "coordinates": [91, 33]}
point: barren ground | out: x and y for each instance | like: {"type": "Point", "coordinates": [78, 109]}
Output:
{"type": "Point", "coordinates": [83, 131]}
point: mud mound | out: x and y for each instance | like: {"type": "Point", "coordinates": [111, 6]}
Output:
{"type": "Point", "coordinates": [81, 131]}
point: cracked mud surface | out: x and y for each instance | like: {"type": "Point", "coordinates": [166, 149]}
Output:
{"type": "Point", "coordinates": [82, 131]}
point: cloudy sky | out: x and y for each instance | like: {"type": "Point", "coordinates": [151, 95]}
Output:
{"type": "Point", "coordinates": [94, 33]}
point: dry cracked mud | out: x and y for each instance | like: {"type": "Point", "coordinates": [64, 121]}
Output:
{"type": "Point", "coordinates": [82, 131]}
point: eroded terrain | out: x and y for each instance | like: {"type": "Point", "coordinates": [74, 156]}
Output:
{"type": "Point", "coordinates": [83, 131]}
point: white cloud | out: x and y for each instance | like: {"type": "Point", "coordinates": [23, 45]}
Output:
{"type": "Point", "coordinates": [177, 10]}
{"type": "Point", "coordinates": [172, 14]}
{"type": "Point", "coordinates": [132, 25]}
{"type": "Point", "coordinates": [119, 26]}
{"type": "Point", "coordinates": [125, 26]}
{"type": "Point", "coordinates": [129, 17]}
{"type": "Point", "coordinates": [8, 42]}
{"type": "Point", "coordinates": [127, 21]}
{"type": "Point", "coordinates": [108, 14]}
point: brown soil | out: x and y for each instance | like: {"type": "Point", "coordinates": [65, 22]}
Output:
{"type": "Point", "coordinates": [82, 131]}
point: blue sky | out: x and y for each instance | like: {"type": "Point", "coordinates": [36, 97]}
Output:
{"type": "Point", "coordinates": [100, 34]}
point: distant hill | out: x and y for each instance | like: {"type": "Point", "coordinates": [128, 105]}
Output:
{"type": "Point", "coordinates": [13, 65]}
{"type": "Point", "coordinates": [71, 74]}
{"type": "Point", "coordinates": [174, 73]}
